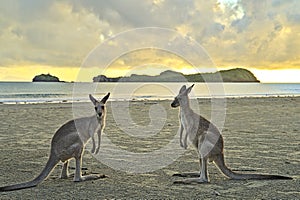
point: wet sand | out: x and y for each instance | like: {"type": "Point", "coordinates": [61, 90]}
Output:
{"type": "Point", "coordinates": [262, 135]}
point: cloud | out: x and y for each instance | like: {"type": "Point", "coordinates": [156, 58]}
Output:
{"type": "Point", "coordinates": [54, 34]}
{"type": "Point", "coordinates": [257, 33]}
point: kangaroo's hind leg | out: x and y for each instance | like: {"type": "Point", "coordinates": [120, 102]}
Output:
{"type": "Point", "coordinates": [78, 175]}
{"type": "Point", "coordinates": [203, 174]}
{"type": "Point", "coordinates": [203, 151]}
{"type": "Point", "coordinates": [195, 176]}
{"type": "Point", "coordinates": [64, 172]}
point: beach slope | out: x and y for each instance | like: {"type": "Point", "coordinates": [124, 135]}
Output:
{"type": "Point", "coordinates": [261, 135]}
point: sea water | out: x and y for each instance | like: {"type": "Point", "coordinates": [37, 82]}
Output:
{"type": "Point", "coordinates": [28, 92]}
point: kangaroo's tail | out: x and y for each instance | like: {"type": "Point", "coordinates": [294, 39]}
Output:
{"type": "Point", "coordinates": [237, 176]}
{"type": "Point", "coordinates": [52, 162]}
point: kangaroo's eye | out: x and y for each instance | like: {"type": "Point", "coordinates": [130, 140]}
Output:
{"type": "Point", "coordinates": [102, 107]}
{"type": "Point", "coordinates": [96, 108]}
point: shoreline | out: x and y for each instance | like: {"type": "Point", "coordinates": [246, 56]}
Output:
{"type": "Point", "coordinates": [68, 101]}
{"type": "Point", "coordinates": [27, 93]}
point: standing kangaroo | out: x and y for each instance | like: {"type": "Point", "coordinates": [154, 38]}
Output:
{"type": "Point", "coordinates": [69, 142]}
{"type": "Point", "coordinates": [207, 140]}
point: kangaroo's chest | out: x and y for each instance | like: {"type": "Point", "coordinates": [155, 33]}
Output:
{"type": "Point", "coordinates": [94, 126]}
{"type": "Point", "coordinates": [187, 122]}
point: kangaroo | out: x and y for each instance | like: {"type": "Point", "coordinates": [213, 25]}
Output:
{"type": "Point", "coordinates": [207, 140]}
{"type": "Point", "coordinates": [69, 142]}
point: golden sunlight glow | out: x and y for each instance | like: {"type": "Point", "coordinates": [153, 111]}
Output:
{"type": "Point", "coordinates": [27, 73]}
{"type": "Point", "coordinates": [287, 30]}
{"type": "Point", "coordinates": [146, 61]}
{"type": "Point", "coordinates": [183, 29]}
{"type": "Point", "coordinates": [278, 76]}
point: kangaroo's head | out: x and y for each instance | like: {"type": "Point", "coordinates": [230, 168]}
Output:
{"type": "Point", "coordinates": [182, 96]}
{"type": "Point", "coordinates": [99, 105]}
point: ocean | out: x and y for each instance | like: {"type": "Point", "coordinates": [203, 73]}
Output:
{"type": "Point", "coordinates": [27, 92]}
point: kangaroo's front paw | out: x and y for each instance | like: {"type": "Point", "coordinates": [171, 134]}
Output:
{"type": "Point", "coordinates": [97, 150]}
{"type": "Point", "coordinates": [93, 150]}
{"type": "Point", "coordinates": [183, 145]}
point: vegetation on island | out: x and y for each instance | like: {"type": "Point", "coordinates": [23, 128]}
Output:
{"type": "Point", "coordinates": [45, 78]}
{"type": "Point", "coordinates": [232, 75]}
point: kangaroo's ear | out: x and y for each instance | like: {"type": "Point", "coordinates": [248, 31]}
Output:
{"type": "Point", "coordinates": [93, 100]}
{"type": "Point", "coordinates": [183, 88]}
{"type": "Point", "coordinates": [105, 98]}
{"type": "Point", "coordinates": [189, 89]}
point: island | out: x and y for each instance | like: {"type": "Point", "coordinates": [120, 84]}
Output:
{"type": "Point", "coordinates": [231, 75]}
{"type": "Point", "coordinates": [45, 78]}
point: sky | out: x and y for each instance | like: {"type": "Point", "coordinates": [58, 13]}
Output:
{"type": "Point", "coordinates": [58, 37]}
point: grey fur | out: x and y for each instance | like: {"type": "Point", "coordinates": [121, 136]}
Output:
{"type": "Point", "coordinates": [207, 140]}
{"type": "Point", "coordinates": [69, 142]}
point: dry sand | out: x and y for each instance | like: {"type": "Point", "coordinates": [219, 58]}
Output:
{"type": "Point", "coordinates": [261, 134]}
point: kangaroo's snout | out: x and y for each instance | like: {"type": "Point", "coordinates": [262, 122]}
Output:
{"type": "Point", "coordinates": [175, 103]}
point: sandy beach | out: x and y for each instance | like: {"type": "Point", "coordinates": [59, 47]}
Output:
{"type": "Point", "coordinates": [262, 135]}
